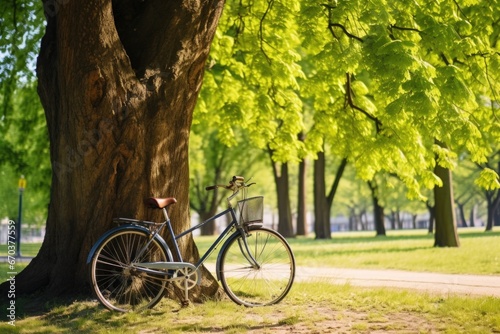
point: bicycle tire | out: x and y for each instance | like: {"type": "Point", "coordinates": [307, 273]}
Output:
{"type": "Point", "coordinates": [262, 286]}
{"type": "Point", "coordinates": [117, 285]}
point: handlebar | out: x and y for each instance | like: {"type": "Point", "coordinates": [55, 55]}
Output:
{"type": "Point", "coordinates": [235, 184]}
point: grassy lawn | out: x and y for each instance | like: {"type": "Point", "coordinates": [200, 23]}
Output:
{"type": "Point", "coordinates": [479, 252]}
{"type": "Point", "coordinates": [310, 307]}
{"type": "Point", "coordinates": [412, 250]}
{"type": "Point", "coordinates": [27, 249]}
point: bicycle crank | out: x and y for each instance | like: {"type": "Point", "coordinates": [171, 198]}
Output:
{"type": "Point", "coordinates": [187, 278]}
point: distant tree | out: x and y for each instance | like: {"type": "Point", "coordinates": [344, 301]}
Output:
{"type": "Point", "coordinates": [212, 162]}
{"type": "Point", "coordinates": [492, 193]}
{"type": "Point", "coordinates": [302, 222]}
{"type": "Point", "coordinates": [404, 75]}
{"type": "Point", "coordinates": [24, 144]}
{"type": "Point", "coordinates": [493, 204]}
{"type": "Point", "coordinates": [323, 197]}
{"type": "Point", "coordinates": [444, 210]}
{"type": "Point", "coordinates": [378, 209]}
{"type": "Point", "coordinates": [209, 165]}
{"type": "Point", "coordinates": [281, 179]}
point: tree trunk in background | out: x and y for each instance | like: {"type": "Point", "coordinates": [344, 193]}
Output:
{"type": "Point", "coordinates": [302, 228]}
{"type": "Point", "coordinates": [493, 205]}
{"type": "Point", "coordinates": [392, 219]}
{"type": "Point", "coordinates": [118, 82]}
{"type": "Point", "coordinates": [446, 225]}
{"type": "Point", "coordinates": [209, 228]}
{"type": "Point", "coordinates": [463, 222]}
{"type": "Point", "coordinates": [432, 210]}
{"type": "Point", "coordinates": [321, 214]}
{"type": "Point", "coordinates": [335, 186]}
{"type": "Point", "coordinates": [496, 217]}
{"type": "Point", "coordinates": [472, 216]}
{"type": "Point", "coordinates": [285, 226]}
{"type": "Point", "coordinates": [378, 210]}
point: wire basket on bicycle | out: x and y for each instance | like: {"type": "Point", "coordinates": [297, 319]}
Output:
{"type": "Point", "coordinates": [251, 210]}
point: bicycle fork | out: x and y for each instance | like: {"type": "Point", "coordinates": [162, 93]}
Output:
{"type": "Point", "coordinates": [244, 248]}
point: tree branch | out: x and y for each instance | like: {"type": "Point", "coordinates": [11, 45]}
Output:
{"type": "Point", "coordinates": [331, 25]}
{"type": "Point", "coordinates": [261, 30]}
{"type": "Point", "coordinates": [392, 26]}
{"type": "Point", "coordinates": [350, 102]}
{"type": "Point", "coordinates": [336, 182]}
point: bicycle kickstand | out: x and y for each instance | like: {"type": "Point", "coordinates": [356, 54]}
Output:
{"type": "Point", "coordinates": [185, 301]}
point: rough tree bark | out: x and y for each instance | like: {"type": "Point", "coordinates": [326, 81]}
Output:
{"type": "Point", "coordinates": [118, 82]}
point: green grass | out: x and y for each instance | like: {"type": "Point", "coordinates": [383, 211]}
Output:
{"type": "Point", "coordinates": [412, 250]}
{"type": "Point", "coordinates": [310, 307]}
{"type": "Point", "coordinates": [27, 249]}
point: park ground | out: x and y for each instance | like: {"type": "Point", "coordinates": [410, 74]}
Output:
{"type": "Point", "coordinates": [354, 283]}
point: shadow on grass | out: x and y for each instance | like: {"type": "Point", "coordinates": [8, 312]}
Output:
{"type": "Point", "coordinates": [83, 315]}
{"type": "Point", "coordinates": [39, 313]}
{"type": "Point", "coordinates": [40, 305]}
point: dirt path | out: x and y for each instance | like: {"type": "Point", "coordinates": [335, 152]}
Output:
{"type": "Point", "coordinates": [366, 321]}
{"type": "Point", "coordinates": [484, 285]}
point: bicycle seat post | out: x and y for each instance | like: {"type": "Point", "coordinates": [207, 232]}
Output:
{"type": "Point", "coordinates": [165, 213]}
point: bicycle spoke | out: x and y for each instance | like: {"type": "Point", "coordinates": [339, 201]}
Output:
{"type": "Point", "coordinates": [119, 285]}
{"type": "Point", "coordinates": [265, 285]}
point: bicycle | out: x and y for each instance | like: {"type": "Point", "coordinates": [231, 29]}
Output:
{"type": "Point", "coordinates": [131, 264]}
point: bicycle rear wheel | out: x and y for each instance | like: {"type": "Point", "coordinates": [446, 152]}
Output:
{"type": "Point", "coordinates": [116, 283]}
{"type": "Point", "coordinates": [265, 284]}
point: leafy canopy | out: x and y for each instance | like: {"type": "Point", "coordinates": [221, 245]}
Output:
{"type": "Point", "coordinates": [394, 86]}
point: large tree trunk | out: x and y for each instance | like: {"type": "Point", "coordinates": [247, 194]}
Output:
{"type": "Point", "coordinates": [118, 82]}
{"type": "Point", "coordinates": [446, 225]}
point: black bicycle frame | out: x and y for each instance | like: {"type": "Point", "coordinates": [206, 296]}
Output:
{"type": "Point", "coordinates": [214, 245]}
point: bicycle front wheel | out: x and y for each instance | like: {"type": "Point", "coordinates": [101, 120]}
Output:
{"type": "Point", "coordinates": [117, 284]}
{"type": "Point", "coordinates": [265, 282]}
